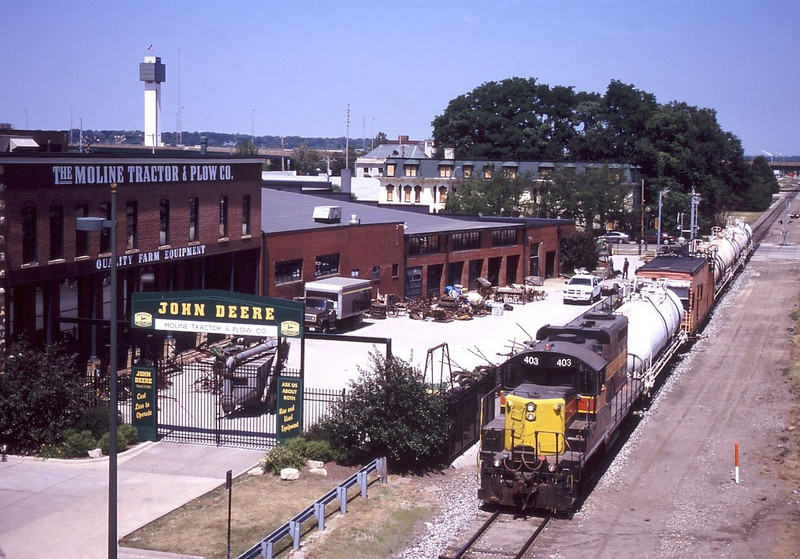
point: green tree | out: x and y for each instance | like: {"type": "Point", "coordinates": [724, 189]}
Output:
{"type": "Point", "coordinates": [246, 147]}
{"type": "Point", "coordinates": [307, 161]}
{"type": "Point", "coordinates": [592, 197]}
{"type": "Point", "coordinates": [763, 185]}
{"type": "Point", "coordinates": [41, 394]}
{"type": "Point", "coordinates": [579, 251]}
{"type": "Point", "coordinates": [389, 412]}
{"type": "Point", "coordinates": [515, 118]}
{"type": "Point", "coordinates": [501, 195]}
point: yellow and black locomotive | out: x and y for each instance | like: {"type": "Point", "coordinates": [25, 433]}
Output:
{"type": "Point", "coordinates": [563, 399]}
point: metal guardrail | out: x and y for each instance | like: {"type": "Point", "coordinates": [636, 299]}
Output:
{"type": "Point", "coordinates": [265, 547]}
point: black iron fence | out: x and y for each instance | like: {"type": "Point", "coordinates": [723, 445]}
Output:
{"type": "Point", "coordinates": [197, 404]}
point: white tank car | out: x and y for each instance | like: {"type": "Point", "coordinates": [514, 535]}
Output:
{"type": "Point", "coordinates": [727, 245]}
{"type": "Point", "coordinates": [654, 319]}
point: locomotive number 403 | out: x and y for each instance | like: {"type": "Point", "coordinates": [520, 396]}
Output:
{"type": "Point", "coordinates": [530, 360]}
{"type": "Point", "coordinates": [564, 362]}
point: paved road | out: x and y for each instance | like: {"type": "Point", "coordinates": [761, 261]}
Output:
{"type": "Point", "coordinates": [58, 508]}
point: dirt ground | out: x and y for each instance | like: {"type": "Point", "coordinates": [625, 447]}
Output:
{"type": "Point", "coordinates": [670, 492]}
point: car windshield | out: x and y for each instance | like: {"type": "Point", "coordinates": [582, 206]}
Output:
{"type": "Point", "coordinates": [580, 281]}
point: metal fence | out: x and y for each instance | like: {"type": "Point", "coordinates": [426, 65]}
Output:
{"type": "Point", "coordinates": [194, 406]}
{"type": "Point", "coordinates": [190, 408]}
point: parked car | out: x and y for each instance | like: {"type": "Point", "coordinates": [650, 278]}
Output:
{"type": "Point", "coordinates": [615, 237]}
{"type": "Point", "coordinates": [652, 237]}
{"type": "Point", "coordinates": [582, 288]}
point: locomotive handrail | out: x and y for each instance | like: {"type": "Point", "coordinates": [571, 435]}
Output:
{"type": "Point", "coordinates": [265, 548]}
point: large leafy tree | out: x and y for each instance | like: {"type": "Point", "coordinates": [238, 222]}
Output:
{"type": "Point", "coordinates": [501, 195]}
{"type": "Point", "coordinates": [678, 147]}
{"type": "Point", "coordinates": [592, 197]}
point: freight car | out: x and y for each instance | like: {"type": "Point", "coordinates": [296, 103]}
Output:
{"type": "Point", "coordinates": [566, 395]}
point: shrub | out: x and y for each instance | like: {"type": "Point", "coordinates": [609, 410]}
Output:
{"type": "Point", "coordinates": [389, 412]}
{"type": "Point", "coordinates": [42, 393]}
{"type": "Point", "coordinates": [282, 457]}
{"type": "Point", "coordinates": [77, 444]}
{"type": "Point", "coordinates": [126, 434]}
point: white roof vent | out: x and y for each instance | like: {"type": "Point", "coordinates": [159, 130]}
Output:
{"type": "Point", "coordinates": [328, 214]}
{"type": "Point", "coordinates": [354, 219]}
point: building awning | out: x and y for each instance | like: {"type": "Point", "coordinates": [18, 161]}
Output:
{"type": "Point", "coordinates": [546, 165]}
{"type": "Point", "coordinates": [510, 164]}
{"type": "Point", "coordinates": [446, 163]}
{"type": "Point", "coordinates": [22, 143]}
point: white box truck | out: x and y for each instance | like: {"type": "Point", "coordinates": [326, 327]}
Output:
{"type": "Point", "coordinates": [335, 302]}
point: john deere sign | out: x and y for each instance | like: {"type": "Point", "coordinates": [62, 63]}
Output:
{"type": "Point", "coordinates": [217, 312]}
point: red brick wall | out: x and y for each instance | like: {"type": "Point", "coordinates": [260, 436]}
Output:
{"type": "Point", "coordinates": [360, 247]}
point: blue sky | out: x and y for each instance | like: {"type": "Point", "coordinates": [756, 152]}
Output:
{"type": "Point", "coordinates": [291, 68]}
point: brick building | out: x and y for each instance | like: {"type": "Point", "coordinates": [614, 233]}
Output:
{"type": "Point", "coordinates": [404, 253]}
{"type": "Point", "coordinates": [183, 222]}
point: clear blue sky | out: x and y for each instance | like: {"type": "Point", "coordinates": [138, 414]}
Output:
{"type": "Point", "coordinates": [291, 68]}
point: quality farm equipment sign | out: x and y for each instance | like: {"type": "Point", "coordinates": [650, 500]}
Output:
{"type": "Point", "coordinates": [217, 312]}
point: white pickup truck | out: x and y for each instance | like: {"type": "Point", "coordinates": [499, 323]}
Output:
{"type": "Point", "coordinates": [582, 288]}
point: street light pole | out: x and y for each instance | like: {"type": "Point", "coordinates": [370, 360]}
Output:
{"type": "Point", "coordinates": [98, 224]}
{"type": "Point", "coordinates": [661, 193]}
{"type": "Point", "coordinates": [112, 371]}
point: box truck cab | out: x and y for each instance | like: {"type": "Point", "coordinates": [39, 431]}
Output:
{"type": "Point", "coordinates": [336, 302]}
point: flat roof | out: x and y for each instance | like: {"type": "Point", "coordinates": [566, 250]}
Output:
{"type": "Point", "coordinates": [283, 212]}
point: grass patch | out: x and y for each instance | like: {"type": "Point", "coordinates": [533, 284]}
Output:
{"type": "Point", "coordinates": [373, 528]}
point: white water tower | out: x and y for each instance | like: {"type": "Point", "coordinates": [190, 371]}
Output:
{"type": "Point", "coordinates": [153, 73]}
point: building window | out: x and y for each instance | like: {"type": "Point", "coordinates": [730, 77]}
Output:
{"type": "Point", "coordinates": [488, 170]}
{"type": "Point", "coordinates": [467, 240]}
{"type": "Point", "coordinates": [327, 265]}
{"type": "Point", "coordinates": [288, 271]}
{"type": "Point", "coordinates": [29, 235]}
{"type": "Point", "coordinates": [445, 171]}
{"type": "Point", "coordinates": [510, 172]}
{"type": "Point", "coordinates": [417, 194]}
{"type": "Point", "coordinates": [395, 270]}
{"type": "Point", "coordinates": [410, 170]}
{"type": "Point", "coordinates": [407, 194]}
{"type": "Point", "coordinates": [131, 226]}
{"type": "Point", "coordinates": [245, 215]}
{"type": "Point", "coordinates": [56, 232]}
{"type": "Point", "coordinates": [390, 167]}
{"type": "Point", "coordinates": [467, 171]}
{"type": "Point", "coordinates": [163, 222]}
{"type": "Point", "coordinates": [194, 219]}
{"type": "Point", "coordinates": [223, 217]}
{"type": "Point", "coordinates": [423, 244]}
{"type": "Point", "coordinates": [376, 273]}
{"type": "Point", "coordinates": [81, 237]}
{"type": "Point", "coordinates": [545, 173]}
{"type": "Point", "coordinates": [105, 233]}
{"type": "Point", "coordinates": [504, 237]}
{"type": "Point", "coordinates": [354, 273]}
{"type": "Point", "coordinates": [390, 193]}
{"type": "Point", "coordinates": [442, 194]}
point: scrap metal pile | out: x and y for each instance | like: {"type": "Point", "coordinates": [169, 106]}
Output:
{"type": "Point", "coordinates": [456, 303]}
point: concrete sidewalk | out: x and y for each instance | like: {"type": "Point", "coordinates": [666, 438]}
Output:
{"type": "Point", "coordinates": [59, 508]}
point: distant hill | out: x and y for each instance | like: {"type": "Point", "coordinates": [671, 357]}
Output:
{"type": "Point", "coordinates": [218, 139]}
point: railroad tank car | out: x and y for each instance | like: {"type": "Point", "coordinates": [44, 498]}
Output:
{"type": "Point", "coordinates": [566, 396]}
{"type": "Point", "coordinates": [728, 248]}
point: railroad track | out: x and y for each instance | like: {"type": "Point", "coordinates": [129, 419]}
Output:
{"type": "Point", "coordinates": [499, 534]}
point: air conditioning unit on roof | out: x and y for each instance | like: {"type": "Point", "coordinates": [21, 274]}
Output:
{"type": "Point", "coordinates": [328, 214]}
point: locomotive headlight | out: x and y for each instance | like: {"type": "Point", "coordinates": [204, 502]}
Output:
{"type": "Point", "coordinates": [530, 409]}
{"type": "Point", "coordinates": [551, 467]}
